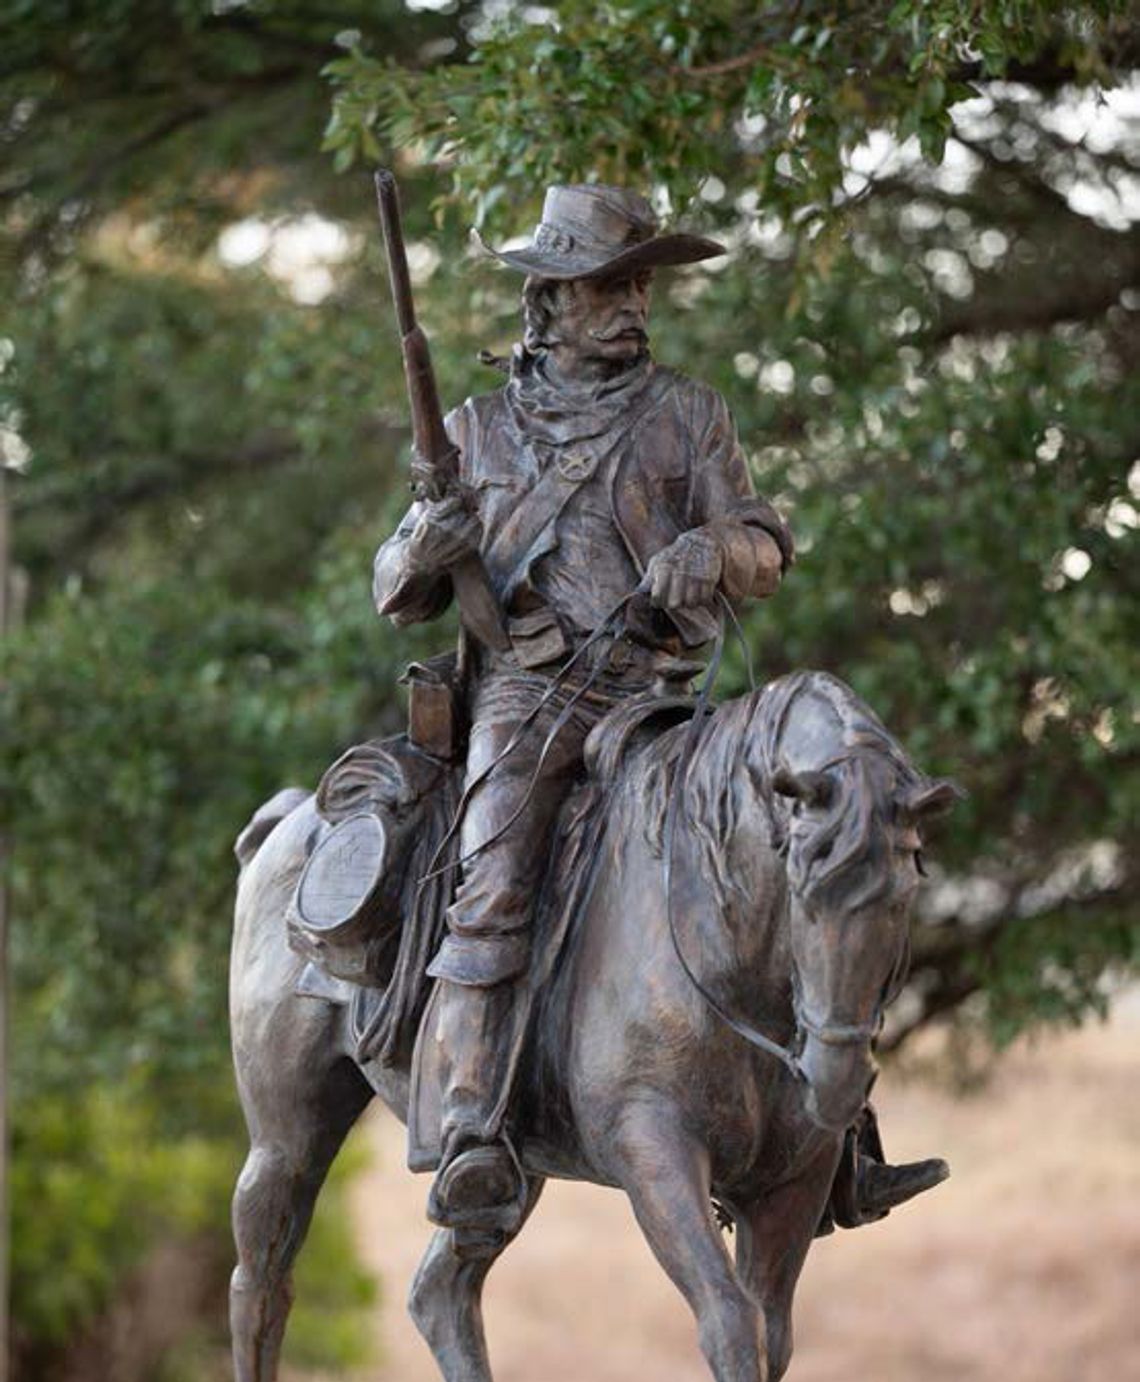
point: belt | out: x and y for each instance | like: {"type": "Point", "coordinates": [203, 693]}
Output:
{"type": "Point", "coordinates": [623, 657]}
{"type": "Point", "coordinates": [542, 644]}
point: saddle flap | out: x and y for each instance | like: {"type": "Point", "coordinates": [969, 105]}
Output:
{"type": "Point", "coordinates": [425, 1097]}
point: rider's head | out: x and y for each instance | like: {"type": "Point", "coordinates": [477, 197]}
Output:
{"type": "Point", "coordinates": [589, 325]}
{"type": "Point", "coordinates": [588, 267]}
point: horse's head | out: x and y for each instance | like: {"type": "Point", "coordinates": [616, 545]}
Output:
{"type": "Point", "coordinates": [853, 841]}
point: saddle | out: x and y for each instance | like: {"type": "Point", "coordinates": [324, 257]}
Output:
{"type": "Point", "coordinates": [369, 910]}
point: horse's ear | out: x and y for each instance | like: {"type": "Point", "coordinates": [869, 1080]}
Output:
{"type": "Point", "coordinates": [930, 800]}
{"type": "Point", "coordinates": [812, 788]}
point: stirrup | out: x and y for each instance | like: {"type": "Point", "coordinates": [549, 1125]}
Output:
{"type": "Point", "coordinates": [481, 1193]}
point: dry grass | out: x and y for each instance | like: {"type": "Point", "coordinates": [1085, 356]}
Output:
{"type": "Point", "coordinates": [1025, 1267]}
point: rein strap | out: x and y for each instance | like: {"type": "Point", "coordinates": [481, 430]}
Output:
{"type": "Point", "coordinates": [744, 1029]}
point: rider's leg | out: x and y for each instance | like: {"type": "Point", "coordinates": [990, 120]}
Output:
{"type": "Point", "coordinates": [478, 1188]}
{"type": "Point", "coordinates": [665, 1173]}
{"type": "Point", "coordinates": [445, 1301]}
{"type": "Point", "coordinates": [505, 840]}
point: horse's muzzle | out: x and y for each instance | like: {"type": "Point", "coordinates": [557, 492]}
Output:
{"type": "Point", "coordinates": [836, 1081]}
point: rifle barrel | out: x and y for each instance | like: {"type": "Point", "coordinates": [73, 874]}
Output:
{"type": "Point", "coordinates": [388, 200]}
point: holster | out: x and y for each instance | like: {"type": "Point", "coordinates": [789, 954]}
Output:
{"type": "Point", "coordinates": [437, 719]}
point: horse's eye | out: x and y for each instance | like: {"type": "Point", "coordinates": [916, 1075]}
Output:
{"type": "Point", "coordinates": [920, 864]}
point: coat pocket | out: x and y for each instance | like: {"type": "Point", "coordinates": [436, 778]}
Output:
{"type": "Point", "coordinates": [537, 639]}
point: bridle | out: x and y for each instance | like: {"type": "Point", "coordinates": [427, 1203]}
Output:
{"type": "Point", "coordinates": [837, 1033]}
{"type": "Point", "coordinates": [829, 1033]}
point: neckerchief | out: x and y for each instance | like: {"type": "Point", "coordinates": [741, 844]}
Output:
{"type": "Point", "coordinates": [555, 414]}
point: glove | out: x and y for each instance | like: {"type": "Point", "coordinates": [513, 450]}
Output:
{"type": "Point", "coordinates": [685, 574]}
{"type": "Point", "coordinates": [446, 532]}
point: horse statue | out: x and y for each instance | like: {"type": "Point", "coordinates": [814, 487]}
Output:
{"type": "Point", "coordinates": [795, 853]}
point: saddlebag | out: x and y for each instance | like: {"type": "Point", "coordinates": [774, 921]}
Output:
{"type": "Point", "coordinates": [388, 803]}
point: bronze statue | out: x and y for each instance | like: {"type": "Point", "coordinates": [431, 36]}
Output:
{"type": "Point", "coordinates": [662, 936]}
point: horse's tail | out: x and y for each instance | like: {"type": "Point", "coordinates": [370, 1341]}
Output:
{"type": "Point", "coordinates": [263, 820]}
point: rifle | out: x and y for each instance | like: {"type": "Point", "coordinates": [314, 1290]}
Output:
{"type": "Point", "coordinates": [435, 457]}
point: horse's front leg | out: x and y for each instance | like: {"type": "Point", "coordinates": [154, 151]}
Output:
{"type": "Point", "coordinates": [772, 1240]}
{"type": "Point", "coordinates": [446, 1301]}
{"type": "Point", "coordinates": [666, 1176]}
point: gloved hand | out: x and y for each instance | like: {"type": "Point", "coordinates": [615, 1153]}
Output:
{"type": "Point", "coordinates": [448, 530]}
{"type": "Point", "coordinates": [684, 575]}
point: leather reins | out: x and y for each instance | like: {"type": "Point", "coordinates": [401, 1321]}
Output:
{"type": "Point", "coordinates": [832, 1034]}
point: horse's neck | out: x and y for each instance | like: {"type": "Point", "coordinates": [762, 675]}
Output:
{"type": "Point", "coordinates": [734, 831]}
{"type": "Point", "coordinates": [809, 720]}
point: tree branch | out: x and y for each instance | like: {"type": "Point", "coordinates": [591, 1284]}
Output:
{"type": "Point", "coordinates": [1051, 69]}
{"type": "Point", "coordinates": [36, 236]}
{"type": "Point", "coordinates": [951, 967]}
{"type": "Point", "coordinates": [96, 517]}
{"type": "Point", "coordinates": [734, 64]}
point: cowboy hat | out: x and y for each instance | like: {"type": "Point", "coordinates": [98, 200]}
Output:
{"type": "Point", "coordinates": [592, 231]}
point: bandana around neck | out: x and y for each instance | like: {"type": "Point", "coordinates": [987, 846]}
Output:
{"type": "Point", "coordinates": [560, 412]}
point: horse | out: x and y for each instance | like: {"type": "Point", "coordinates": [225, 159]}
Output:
{"type": "Point", "coordinates": [777, 903]}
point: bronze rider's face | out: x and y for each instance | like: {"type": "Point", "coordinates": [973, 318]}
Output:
{"type": "Point", "coordinates": [602, 324]}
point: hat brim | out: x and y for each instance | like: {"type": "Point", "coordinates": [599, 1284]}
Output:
{"type": "Point", "coordinates": [657, 253]}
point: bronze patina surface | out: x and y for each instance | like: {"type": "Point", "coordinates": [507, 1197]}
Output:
{"type": "Point", "coordinates": [662, 935]}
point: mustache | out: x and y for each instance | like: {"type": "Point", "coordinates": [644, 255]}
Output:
{"type": "Point", "coordinates": [622, 328]}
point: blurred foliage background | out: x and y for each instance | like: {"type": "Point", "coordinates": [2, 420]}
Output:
{"type": "Point", "coordinates": [928, 327]}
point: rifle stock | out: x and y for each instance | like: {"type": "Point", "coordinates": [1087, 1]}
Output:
{"type": "Point", "coordinates": [435, 463]}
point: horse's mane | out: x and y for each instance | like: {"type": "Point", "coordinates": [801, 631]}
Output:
{"type": "Point", "coordinates": [809, 721]}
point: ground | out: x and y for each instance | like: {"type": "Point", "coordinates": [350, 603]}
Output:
{"type": "Point", "coordinates": [1023, 1267]}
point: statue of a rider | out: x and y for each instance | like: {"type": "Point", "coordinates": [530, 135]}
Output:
{"type": "Point", "coordinates": [592, 473]}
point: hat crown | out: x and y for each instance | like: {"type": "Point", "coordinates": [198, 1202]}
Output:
{"type": "Point", "coordinates": [593, 216]}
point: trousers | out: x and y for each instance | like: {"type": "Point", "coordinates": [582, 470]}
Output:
{"type": "Point", "coordinates": [505, 847]}
{"type": "Point", "coordinates": [508, 824]}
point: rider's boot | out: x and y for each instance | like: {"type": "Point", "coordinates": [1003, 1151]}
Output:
{"type": "Point", "coordinates": [867, 1187]}
{"type": "Point", "coordinates": [479, 1190]}
{"type": "Point", "coordinates": [880, 1187]}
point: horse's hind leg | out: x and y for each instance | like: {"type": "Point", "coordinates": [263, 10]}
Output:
{"type": "Point", "coordinates": [666, 1178]}
{"type": "Point", "coordinates": [297, 1122]}
{"type": "Point", "coordinates": [446, 1302]}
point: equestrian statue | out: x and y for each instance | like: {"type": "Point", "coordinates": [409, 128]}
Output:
{"type": "Point", "coordinates": [578, 921]}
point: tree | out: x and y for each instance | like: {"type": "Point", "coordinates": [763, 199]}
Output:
{"type": "Point", "coordinates": [201, 471]}
{"type": "Point", "coordinates": [928, 328]}
{"type": "Point", "coordinates": [926, 325]}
